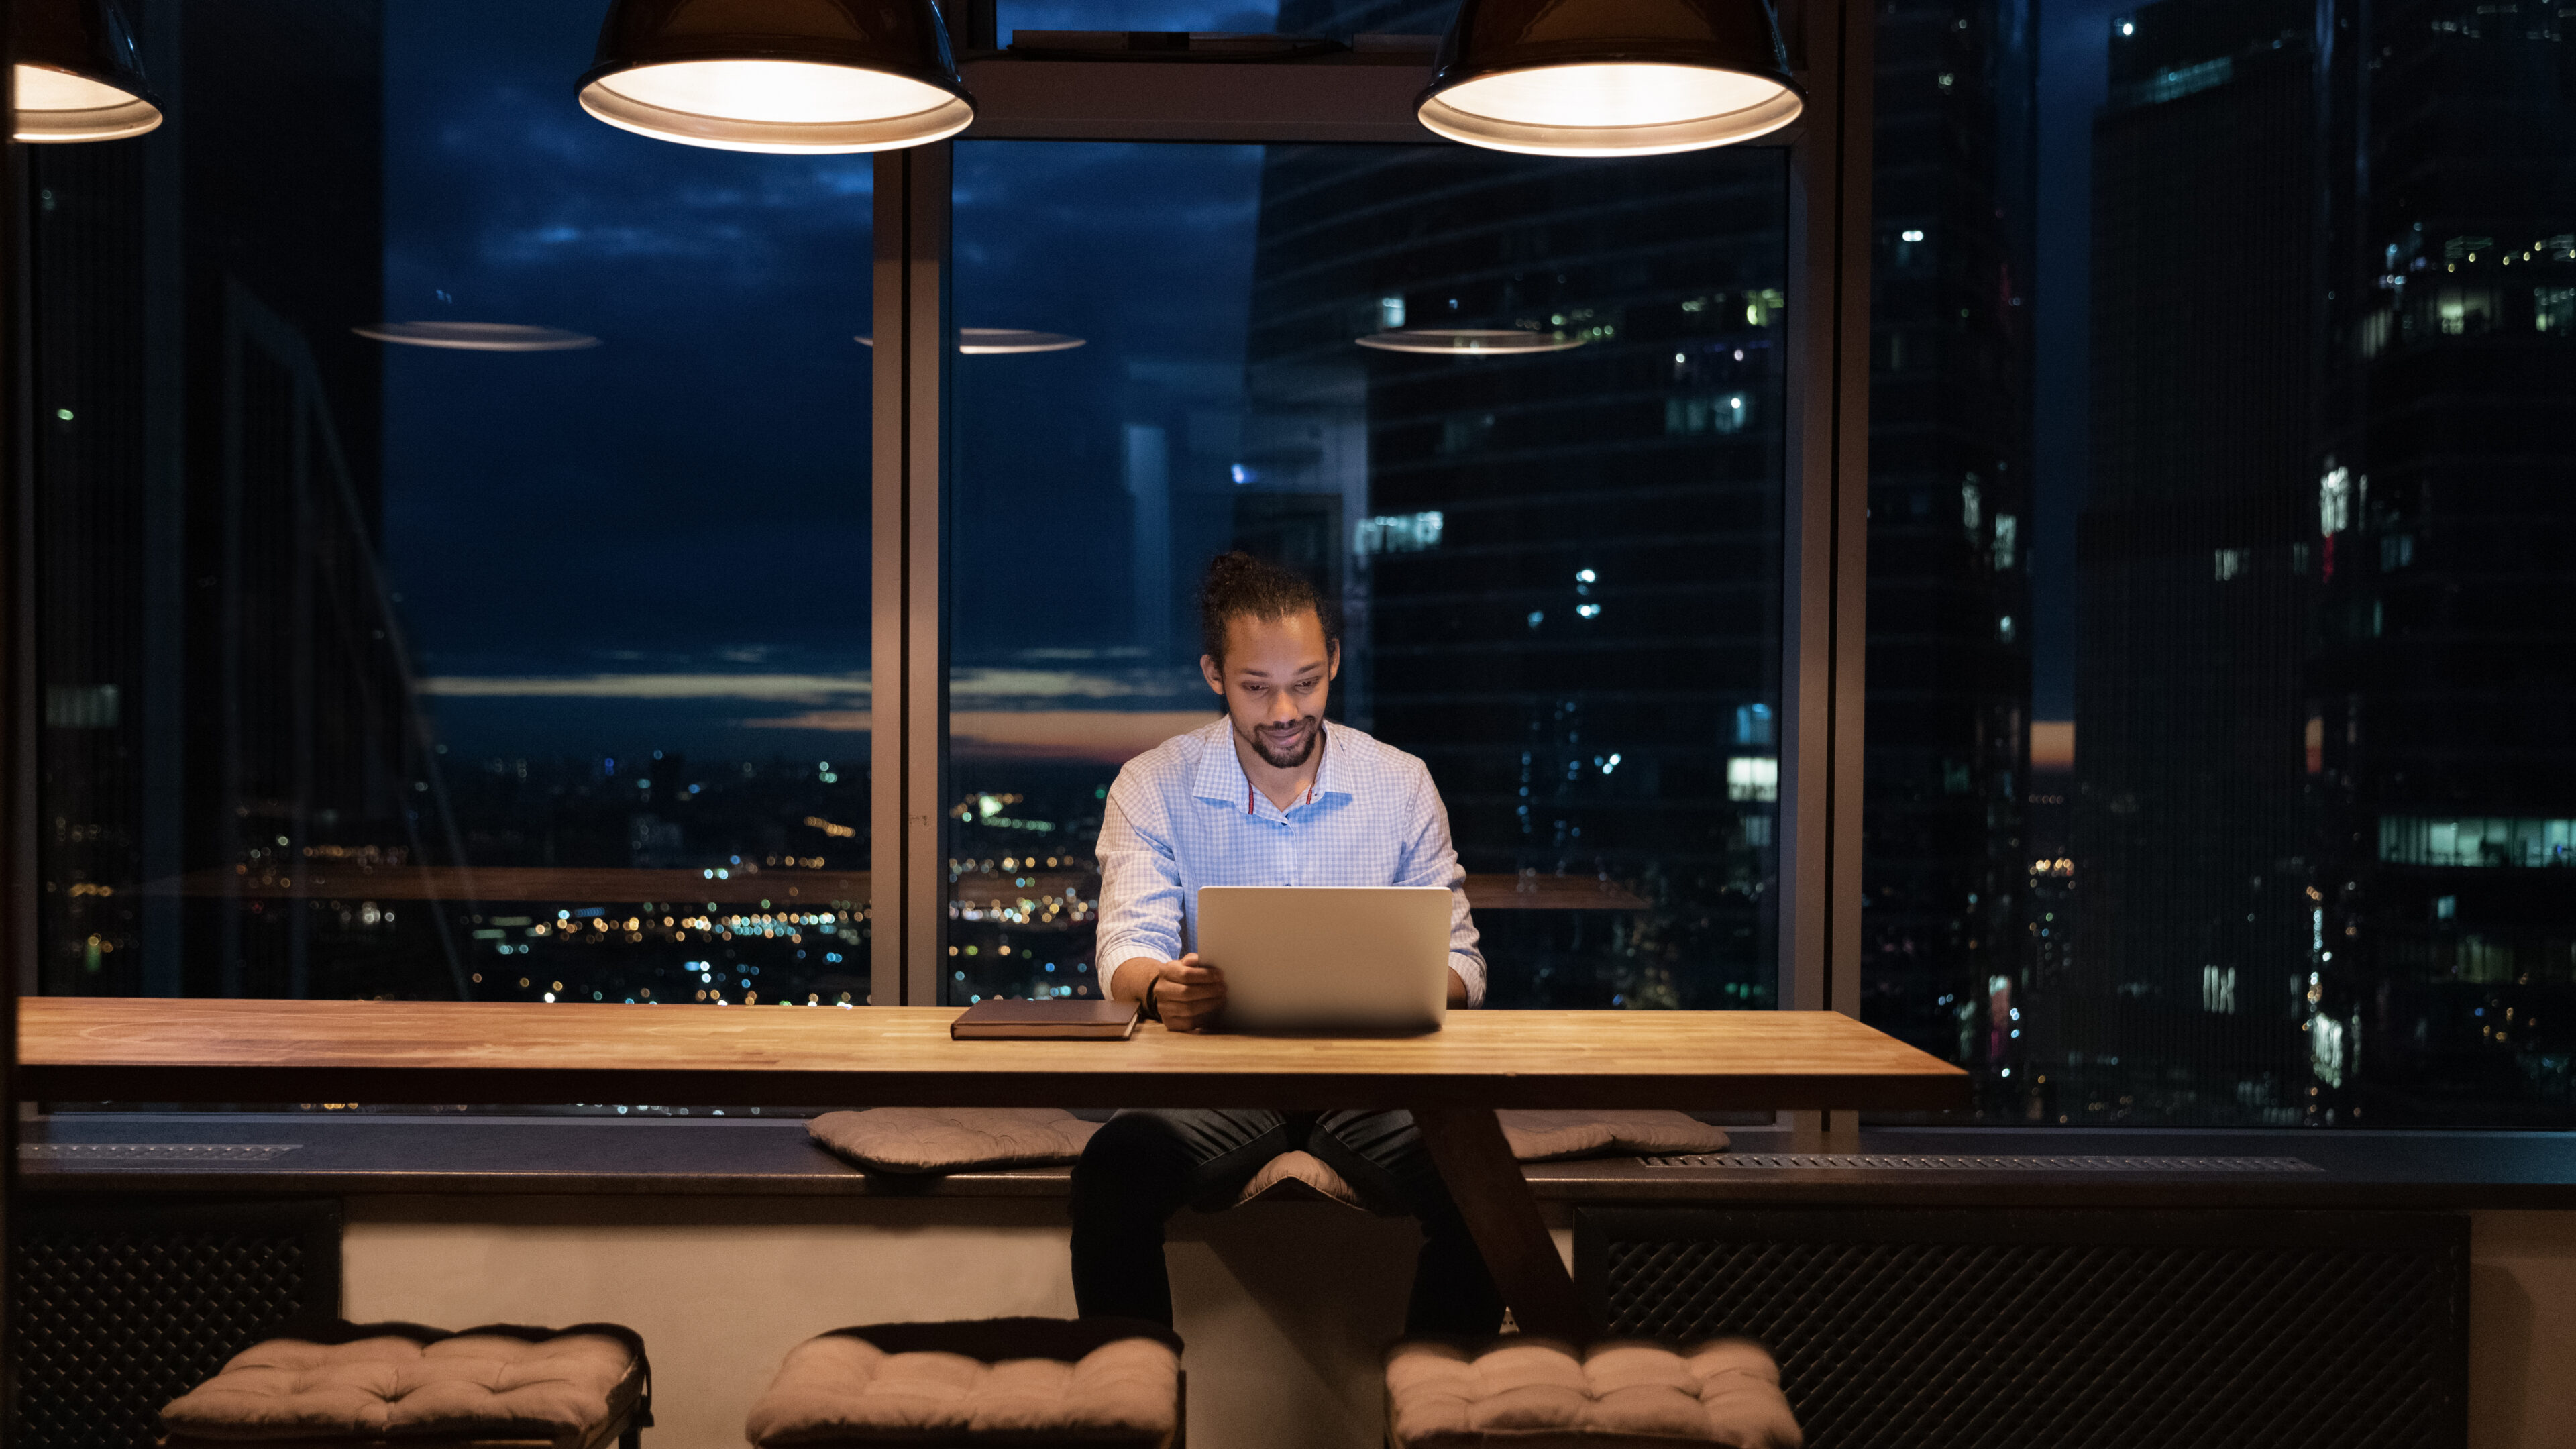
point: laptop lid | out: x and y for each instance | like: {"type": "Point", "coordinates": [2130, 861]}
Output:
{"type": "Point", "coordinates": [1313, 958]}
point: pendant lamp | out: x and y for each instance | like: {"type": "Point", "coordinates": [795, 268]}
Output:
{"type": "Point", "coordinates": [794, 76]}
{"type": "Point", "coordinates": [77, 75]}
{"type": "Point", "coordinates": [1609, 77]}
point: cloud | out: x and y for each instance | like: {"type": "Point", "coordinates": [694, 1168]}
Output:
{"type": "Point", "coordinates": [1101, 736]}
{"type": "Point", "coordinates": [805, 689]}
{"type": "Point", "coordinates": [833, 693]}
{"type": "Point", "coordinates": [1053, 684]}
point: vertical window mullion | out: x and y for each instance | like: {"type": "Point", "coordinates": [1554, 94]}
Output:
{"type": "Point", "coordinates": [908, 664]}
{"type": "Point", "coordinates": [1826, 537]}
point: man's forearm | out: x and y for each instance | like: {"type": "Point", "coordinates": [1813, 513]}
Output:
{"type": "Point", "coordinates": [1129, 978]}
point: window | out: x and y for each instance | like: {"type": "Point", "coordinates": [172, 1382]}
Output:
{"type": "Point", "coordinates": [2259, 816]}
{"type": "Point", "coordinates": [2476, 844]}
{"type": "Point", "coordinates": [1222, 26]}
{"type": "Point", "coordinates": [355, 654]}
{"type": "Point", "coordinates": [1440, 383]}
{"type": "Point", "coordinates": [2554, 309]}
{"type": "Point", "coordinates": [454, 533]}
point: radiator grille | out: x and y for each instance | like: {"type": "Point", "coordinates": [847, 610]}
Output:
{"type": "Point", "coordinates": [1979, 1162]}
{"type": "Point", "coordinates": [2035, 1330]}
{"type": "Point", "coordinates": [121, 1310]}
{"type": "Point", "coordinates": [115, 1153]}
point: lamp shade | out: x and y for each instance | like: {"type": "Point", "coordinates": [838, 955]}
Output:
{"type": "Point", "coordinates": [77, 75]}
{"type": "Point", "coordinates": [1610, 77]}
{"type": "Point", "coordinates": [795, 76]}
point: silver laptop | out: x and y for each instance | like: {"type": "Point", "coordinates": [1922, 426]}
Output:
{"type": "Point", "coordinates": [1328, 958]}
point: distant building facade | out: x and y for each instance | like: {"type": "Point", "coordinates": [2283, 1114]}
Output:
{"type": "Point", "coordinates": [1561, 569]}
{"type": "Point", "coordinates": [2442, 697]}
{"type": "Point", "coordinates": [222, 694]}
{"type": "Point", "coordinates": [2325, 806]}
{"type": "Point", "coordinates": [2197, 570]}
{"type": "Point", "coordinates": [1945, 844]}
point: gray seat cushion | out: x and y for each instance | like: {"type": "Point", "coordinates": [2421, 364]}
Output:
{"type": "Point", "coordinates": [1292, 1176]}
{"type": "Point", "coordinates": [952, 1139]}
{"type": "Point", "coordinates": [1554, 1136]}
{"type": "Point", "coordinates": [566, 1390]}
{"type": "Point", "coordinates": [1538, 1393]}
{"type": "Point", "coordinates": [1008, 1381]}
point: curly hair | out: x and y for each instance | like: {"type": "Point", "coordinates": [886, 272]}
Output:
{"type": "Point", "coordinates": [1241, 586]}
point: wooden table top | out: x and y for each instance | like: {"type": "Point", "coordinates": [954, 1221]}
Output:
{"type": "Point", "coordinates": [168, 1050]}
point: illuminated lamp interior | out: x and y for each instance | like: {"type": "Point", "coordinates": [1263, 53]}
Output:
{"type": "Point", "coordinates": [56, 106]}
{"type": "Point", "coordinates": [1610, 109]}
{"type": "Point", "coordinates": [779, 106]}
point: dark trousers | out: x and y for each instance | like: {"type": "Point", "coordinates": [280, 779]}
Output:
{"type": "Point", "coordinates": [1143, 1166]}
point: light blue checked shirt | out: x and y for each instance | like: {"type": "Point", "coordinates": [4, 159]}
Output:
{"type": "Point", "coordinates": [1183, 815]}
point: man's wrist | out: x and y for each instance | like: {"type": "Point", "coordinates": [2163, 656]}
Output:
{"type": "Point", "coordinates": [1149, 1008]}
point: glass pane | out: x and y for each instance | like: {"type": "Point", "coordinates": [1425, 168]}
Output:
{"type": "Point", "coordinates": [2287, 559]}
{"type": "Point", "coordinates": [517, 664]}
{"type": "Point", "coordinates": [1334, 19]}
{"type": "Point", "coordinates": [1559, 570]}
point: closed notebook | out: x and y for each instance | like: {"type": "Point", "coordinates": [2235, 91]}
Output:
{"type": "Point", "coordinates": [996, 1019]}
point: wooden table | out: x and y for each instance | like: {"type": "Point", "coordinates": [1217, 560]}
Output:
{"type": "Point", "coordinates": [162, 1050]}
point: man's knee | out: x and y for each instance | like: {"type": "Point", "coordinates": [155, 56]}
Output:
{"type": "Point", "coordinates": [1137, 1158]}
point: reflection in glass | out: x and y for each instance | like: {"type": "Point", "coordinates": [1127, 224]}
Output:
{"type": "Point", "coordinates": [1560, 598]}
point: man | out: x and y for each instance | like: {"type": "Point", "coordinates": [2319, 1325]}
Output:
{"type": "Point", "coordinates": [1265, 796]}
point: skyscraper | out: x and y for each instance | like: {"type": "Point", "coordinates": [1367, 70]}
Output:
{"type": "Point", "coordinates": [1568, 560]}
{"type": "Point", "coordinates": [1950, 524]}
{"type": "Point", "coordinates": [2190, 824]}
{"type": "Point", "coordinates": [2442, 699]}
{"type": "Point", "coordinates": [221, 694]}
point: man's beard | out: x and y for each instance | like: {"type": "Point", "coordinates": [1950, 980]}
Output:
{"type": "Point", "coordinates": [1314, 736]}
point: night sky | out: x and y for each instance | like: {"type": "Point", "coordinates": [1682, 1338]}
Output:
{"type": "Point", "coordinates": [663, 541]}
{"type": "Point", "coordinates": [689, 498]}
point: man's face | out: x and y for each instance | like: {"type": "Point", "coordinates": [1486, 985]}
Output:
{"type": "Point", "coordinates": [1277, 674]}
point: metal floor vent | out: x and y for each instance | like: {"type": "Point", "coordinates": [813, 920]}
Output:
{"type": "Point", "coordinates": [1977, 1162]}
{"type": "Point", "coordinates": [121, 1152]}
{"type": "Point", "coordinates": [2065, 1329]}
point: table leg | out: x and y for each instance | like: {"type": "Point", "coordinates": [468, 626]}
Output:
{"type": "Point", "coordinates": [1467, 1145]}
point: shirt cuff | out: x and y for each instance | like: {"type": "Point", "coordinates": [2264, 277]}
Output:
{"type": "Point", "coordinates": [1472, 972]}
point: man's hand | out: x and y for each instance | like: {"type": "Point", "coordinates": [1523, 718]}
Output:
{"type": "Point", "coordinates": [1187, 994]}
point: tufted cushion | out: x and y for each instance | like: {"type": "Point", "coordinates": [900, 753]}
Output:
{"type": "Point", "coordinates": [843, 1389]}
{"type": "Point", "coordinates": [1551, 1136]}
{"type": "Point", "coordinates": [1300, 1174]}
{"type": "Point", "coordinates": [952, 1139]}
{"type": "Point", "coordinates": [563, 1390]}
{"type": "Point", "coordinates": [1536, 1393]}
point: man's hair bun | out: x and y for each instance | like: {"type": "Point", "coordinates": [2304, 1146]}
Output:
{"type": "Point", "coordinates": [1241, 586]}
